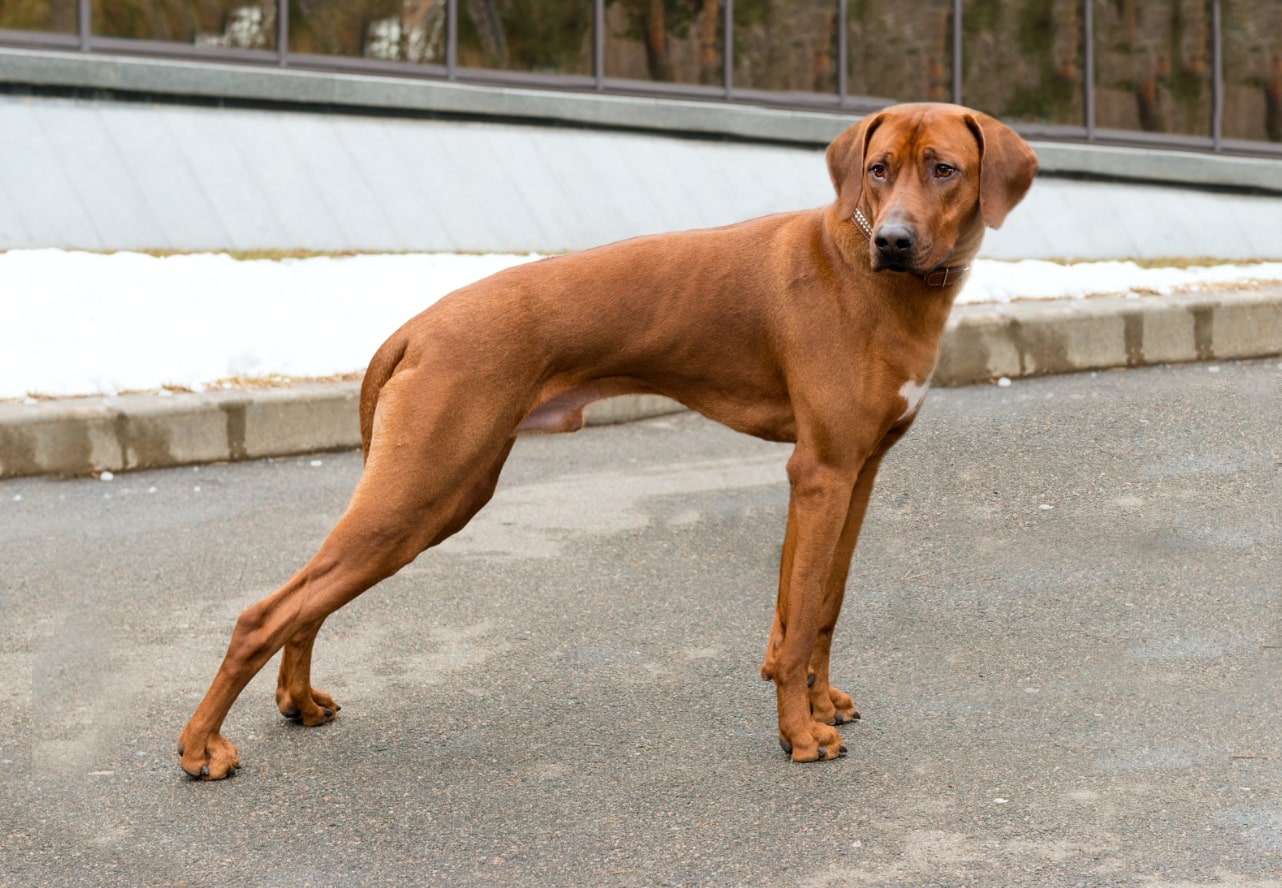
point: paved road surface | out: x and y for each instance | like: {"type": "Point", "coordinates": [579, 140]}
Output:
{"type": "Point", "coordinates": [1064, 633]}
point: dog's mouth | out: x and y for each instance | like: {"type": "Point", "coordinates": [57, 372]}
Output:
{"type": "Point", "coordinates": [918, 263]}
{"type": "Point", "coordinates": [881, 263]}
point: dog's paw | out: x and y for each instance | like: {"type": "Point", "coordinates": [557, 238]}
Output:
{"type": "Point", "coordinates": [316, 708]}
{"type": "Point", "coordinates": [213, 759]}
{"type": "Point", "coordinates": [843, 708]}
{"type": "Point", "coordinates": [822, 743]}
{"type": "Point", "coordinates": [831, 707]}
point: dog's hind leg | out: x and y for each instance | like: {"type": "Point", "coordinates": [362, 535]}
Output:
{"type": "Point", "coordinates": [295, 697]}
{"type": "Point", "coordinates": [421, 484]}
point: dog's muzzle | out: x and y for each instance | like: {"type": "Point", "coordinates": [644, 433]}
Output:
{"type": "Point", "coordinates": [894, 242]}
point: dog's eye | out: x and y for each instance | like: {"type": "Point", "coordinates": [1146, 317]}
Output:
{"type": "Point", "coordinates": [944, 171]}
{"type": "Point", "coordinates": [877, 171]}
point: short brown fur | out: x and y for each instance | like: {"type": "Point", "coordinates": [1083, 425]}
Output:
{"type": "Point", "coordinates": [793, 327]}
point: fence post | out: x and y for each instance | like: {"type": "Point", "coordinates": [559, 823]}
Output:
{"type": "Point", "coordinates": [957, 52]}
{"type": "Point", "coordinates": [727, 47]}
{"type": "Point", "coordinates": [1217, 78]}
{"type": "Point", "coordinates": [598, 44]}
{"type": "Point", "coordinates": [843, 51]}
{"type": "Point", "coordinates": [282, 31]}
{"type": "Point", "coordinates": [451, 39]}
{"type": "Point", "coordinates": [82, 24]}
{"type": "Point", "coordinates": [1088, 64]}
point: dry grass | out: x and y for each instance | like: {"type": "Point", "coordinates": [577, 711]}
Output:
{"type": "Point", "coordinates": [1161, 262]}
{"type": "Point", "coordinates": [280, 255]}
{"type": "Point", "coordinates": [231, 383]}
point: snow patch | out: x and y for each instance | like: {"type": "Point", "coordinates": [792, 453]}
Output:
{"type": "Point", "coordinates": [76, 323]}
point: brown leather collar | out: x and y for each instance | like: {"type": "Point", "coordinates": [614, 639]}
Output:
{"type": "Point", "coordinates": [940, 277]}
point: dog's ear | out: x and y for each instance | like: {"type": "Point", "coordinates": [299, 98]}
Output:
{"type": "Point", "coordinates": [845, 158]}
{"type": "Point", "coordinates": [1006, 168]}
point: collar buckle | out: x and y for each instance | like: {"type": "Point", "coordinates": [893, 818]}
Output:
{"type": "Point", "coordinates": [942, 277]}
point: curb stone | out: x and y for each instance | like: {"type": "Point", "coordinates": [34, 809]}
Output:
{"type": "Point", "coordinates": [80, 436]}
{"type": "Point", "coordinates": [1020, 339]}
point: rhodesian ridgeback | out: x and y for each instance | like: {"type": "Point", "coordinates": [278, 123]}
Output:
{"type": "Point", "coordinates": [819, 327]}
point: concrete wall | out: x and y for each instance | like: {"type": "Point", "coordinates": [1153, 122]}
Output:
{"type": "Point", "coordinates": [315, 161]}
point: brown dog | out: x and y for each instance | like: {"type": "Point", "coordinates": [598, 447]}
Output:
{"type": "Point", "coordinates": [819, 327]}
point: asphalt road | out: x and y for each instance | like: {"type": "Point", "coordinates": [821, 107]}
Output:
{"type": "Point", "coordinates": [1064, 634]}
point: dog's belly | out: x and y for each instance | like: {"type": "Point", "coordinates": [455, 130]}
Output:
{"type": "Point", "coordinates": [563, 412]}
{"type": "Point", "coordinates": [766, 418]}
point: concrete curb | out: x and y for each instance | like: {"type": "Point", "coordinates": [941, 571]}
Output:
{"type": "Point", "coordinates": [983, 342]}
{"type": "Point", "coordinates": [1064, 336]}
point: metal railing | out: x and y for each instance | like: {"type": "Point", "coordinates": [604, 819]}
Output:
{"type": "Point", "coordinates": [1080, 117]}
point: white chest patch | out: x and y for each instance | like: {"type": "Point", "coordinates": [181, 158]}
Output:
{"type": "Point", "coordinates": [912, 393]}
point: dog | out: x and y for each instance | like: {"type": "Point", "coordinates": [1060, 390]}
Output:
{"type": "Point", "coordinates": [818, 327]}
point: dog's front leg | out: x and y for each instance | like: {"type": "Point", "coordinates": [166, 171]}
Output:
{"type": "Point", "coordinates": [827, 704]}
{"type": "Point", "coordinates": [809, 597]}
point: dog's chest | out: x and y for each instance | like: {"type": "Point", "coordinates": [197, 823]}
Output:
{"type": "Point", "coordinates": [913, 393]}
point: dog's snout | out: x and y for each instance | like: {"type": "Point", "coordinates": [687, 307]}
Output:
{"type": "Point", "coordinates": [895, 241]}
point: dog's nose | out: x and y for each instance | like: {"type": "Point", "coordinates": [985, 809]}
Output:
{"type": "Point", "coordinates": [894, 242]}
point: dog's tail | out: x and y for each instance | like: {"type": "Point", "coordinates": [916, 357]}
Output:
{"type": "Point", "coordinates": [380, 370]}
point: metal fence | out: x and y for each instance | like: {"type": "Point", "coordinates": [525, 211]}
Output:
{"type": "Point", "coordinates": [1188, 74]}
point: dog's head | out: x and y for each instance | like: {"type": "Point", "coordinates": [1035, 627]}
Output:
{"type": "Point", "coordinates": [927, 178]}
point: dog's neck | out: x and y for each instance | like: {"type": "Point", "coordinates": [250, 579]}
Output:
{"type": "Point", "coordinates": [940, 277]}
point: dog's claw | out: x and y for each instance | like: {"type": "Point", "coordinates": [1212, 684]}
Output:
{"type": "Point", "coordinates": [329, 713]}
{"type": "Point", "coordinates": [204, 770]}
{"type": "Point", "coordinates": [810, 680]}
{"type": "Point", "coordinates": [785, 746]}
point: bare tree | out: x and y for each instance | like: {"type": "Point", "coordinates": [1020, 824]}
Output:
{"type": "Point", "coordinates": [489, 31]}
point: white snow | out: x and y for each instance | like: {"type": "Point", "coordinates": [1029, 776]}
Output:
{"type": "Point", "coordinates": [76, 323]}
{"type": "Point", "coordinates": [992, 281]}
